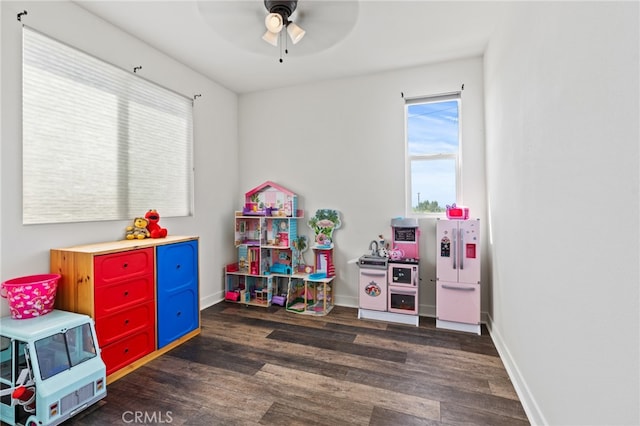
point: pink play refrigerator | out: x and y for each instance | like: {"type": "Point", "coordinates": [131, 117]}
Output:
{"type": "Point", "coordinates": [458, 275]}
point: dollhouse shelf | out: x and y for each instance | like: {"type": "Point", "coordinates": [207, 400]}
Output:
{"type": "Point", "coordinates": [265, 256]}
{"type": "Point", "coordinates": [310, 296]}
{"type": "Point", "coordinates": [304, 294]}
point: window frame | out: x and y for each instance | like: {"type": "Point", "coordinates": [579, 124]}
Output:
{"type": "Point", "coordinates": [71, 341]}
{"type": "Point", "coordinates": [409, 158]}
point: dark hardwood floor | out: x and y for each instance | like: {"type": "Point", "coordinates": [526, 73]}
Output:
{"type": "Point", "coordinates": [257, 366]}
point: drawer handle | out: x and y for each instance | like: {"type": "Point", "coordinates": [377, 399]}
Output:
{"type": "Point", "coordinates": [179, 313]}
{"type": "Point", "coordinates": [448, 287]}
{"type": "Point", "coordinates": [126, 322]}
{"type": "Point", "coordinates": [178, 266]}
{"type": "Point", "coordinates": [372, 274]}
{"type": "Point", "coordinates": [126, 293]}
{"type": "Point", "coordinates": [125, 265]}
{"type": "Point", "coordinates": [126, 350]}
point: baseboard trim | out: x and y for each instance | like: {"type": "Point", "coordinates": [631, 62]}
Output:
{"type": "Point", "coordinates": [209, 301]}
{"type": "Point", "coordinates": [531, 408]}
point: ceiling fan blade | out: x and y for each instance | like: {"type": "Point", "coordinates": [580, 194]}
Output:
{"type": "Point", "coordinates": [326, 23]}
{"type": "Point", "coordinates": [234, 20]}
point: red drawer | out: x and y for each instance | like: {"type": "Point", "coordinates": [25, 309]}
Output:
{"type": "Point", "coordinates": [109, 268]}
{"type": "Point", "coordinates": [124, 352]}
{"type": "Point", "coordinates": [122, 295]}
{"type": "Point", "coordinates": [119, 325]}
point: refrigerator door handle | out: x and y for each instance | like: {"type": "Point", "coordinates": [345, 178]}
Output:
{"type": "Point", "coordinates": [455, 250]}
{"type": "Point", "coordinates": [461, 248]}
{"type": "Point", "coordinates": [450, 287]}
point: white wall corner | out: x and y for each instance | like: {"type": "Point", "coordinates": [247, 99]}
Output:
{"type": "Point", "coordinates": [531, 408]}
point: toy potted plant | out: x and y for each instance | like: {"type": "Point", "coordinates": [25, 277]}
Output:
{"type": "Point", "coordinates": [299, 246]}
{"type": "Point", "coordinates": [253, 204]}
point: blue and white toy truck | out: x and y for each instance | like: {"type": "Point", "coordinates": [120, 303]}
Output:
{"type": "Point", "coordinates": [50, 368]}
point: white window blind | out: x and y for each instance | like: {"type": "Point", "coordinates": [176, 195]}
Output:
{"type": "Point", "coordinates": [100, 143]}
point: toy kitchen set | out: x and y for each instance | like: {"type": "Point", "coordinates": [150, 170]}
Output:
{"type": "Point", "coordinates": [389, 282]}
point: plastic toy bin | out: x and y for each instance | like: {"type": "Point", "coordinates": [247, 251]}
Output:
{"type": "Point", "coordinates": [30, 296]}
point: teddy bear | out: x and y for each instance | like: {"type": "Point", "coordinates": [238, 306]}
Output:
{"type": "Point", "coordinates": [138, 230]}
{"type": "Point", "coordinates": [156, 231]}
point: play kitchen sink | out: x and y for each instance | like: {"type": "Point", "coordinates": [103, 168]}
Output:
{"type": "Point", "coordinates": [373, 260]}
{"type": "Point", "coordinates": [368, 261]}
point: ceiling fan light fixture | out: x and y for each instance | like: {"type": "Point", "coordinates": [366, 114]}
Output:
{"type": "Point", "coordinates": [274, 22]}
{"type": "Point", "coordinates": [271, 38]}
{"type": "Point", "coordinates": [295, 32]}
{"type": "Point", "coordinates": [279, 12]}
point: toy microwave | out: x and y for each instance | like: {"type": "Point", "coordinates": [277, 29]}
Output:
{"type": "Point", "coordinates": [457, 212]}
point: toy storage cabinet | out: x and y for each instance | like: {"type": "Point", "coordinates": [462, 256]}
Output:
{"type": "Point", "coordinates": [177, 286]}
{"type": "Point", "coordinates": [124, 306]}
{"type": "Point", "coordinates": [142, 294]}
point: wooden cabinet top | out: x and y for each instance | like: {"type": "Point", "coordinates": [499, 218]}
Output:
{"type": "Point", "coordinates": [115, 246]}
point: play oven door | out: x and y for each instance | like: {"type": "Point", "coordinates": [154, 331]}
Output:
{"type": "Point", "coordinates": [403, 300]}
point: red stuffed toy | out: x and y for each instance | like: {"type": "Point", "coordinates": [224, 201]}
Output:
{"type": "Point", "coordinates": [154, 229]}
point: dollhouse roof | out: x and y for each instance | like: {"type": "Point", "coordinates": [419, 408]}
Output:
{"type": "Point", "coordinates": [268, 184]}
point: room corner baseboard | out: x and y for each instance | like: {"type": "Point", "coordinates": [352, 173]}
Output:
{"type": "Point", "coordinates": [527, 399]}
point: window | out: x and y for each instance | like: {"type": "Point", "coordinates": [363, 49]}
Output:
{"type": "Point", "coordinates": [99, 143]}
{"type": "Point", "coordinates": [10, 369]}
{"type": "Point", "coordinates": [60, 352]}
{"type": "Point", "coordinates": [432, 147]}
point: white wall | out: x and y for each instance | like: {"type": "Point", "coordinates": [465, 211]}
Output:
{"type": "Point", "coordinates": [25, 249]}
{"type": "Point", "coordinates": [340, 144]}
{"type": "Point", "coordinates": [561, 83]}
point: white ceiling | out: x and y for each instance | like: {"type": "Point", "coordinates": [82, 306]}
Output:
{"type": "Point", "coordinates": [221, 39]}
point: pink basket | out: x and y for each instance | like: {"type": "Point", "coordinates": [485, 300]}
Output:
{"type": "Point", "coordinates": [30, 296]}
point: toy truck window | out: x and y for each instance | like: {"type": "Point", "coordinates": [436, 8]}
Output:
{"type": "Point", "coordinates": [5, 358]}
{"type": "Point", "coordinates": [10, 368]}
{"type": "Point", "coordinates": [5, 369]}
{"type": "Point", "coordinates": [62, 351]}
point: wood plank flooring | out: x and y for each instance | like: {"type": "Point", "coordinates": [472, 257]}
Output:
{"type": "Point", "coordinates": [257, 366]}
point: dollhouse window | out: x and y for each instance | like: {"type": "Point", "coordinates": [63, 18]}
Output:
{"type": "Point", "coordinates": [99, 142]}
{"type": "Point", "coordinates": [432, 153]}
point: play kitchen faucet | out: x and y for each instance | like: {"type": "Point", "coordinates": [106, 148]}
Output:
{"type": "Point", "coordinates": [373, 252]}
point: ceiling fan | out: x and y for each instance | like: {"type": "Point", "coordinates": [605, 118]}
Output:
{"type": "Point", "coordinates": [242, 23]}
{"type": "Point", "coordinates": [278, 18]}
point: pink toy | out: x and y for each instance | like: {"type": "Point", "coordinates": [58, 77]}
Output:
{"type": "Point", "coordinates": [396, 254]}
{"type": "Point", "coordinates": [457, 212]}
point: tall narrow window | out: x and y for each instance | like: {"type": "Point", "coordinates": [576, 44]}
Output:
{"type": "Point", "coordinates": [432, 147]}
{"type": "Point", "coordinates": [99, 143]}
